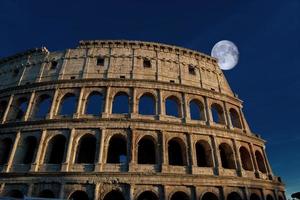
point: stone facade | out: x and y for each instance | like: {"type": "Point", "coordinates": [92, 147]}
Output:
{"type": "Point", "coordinates": [204, 151]}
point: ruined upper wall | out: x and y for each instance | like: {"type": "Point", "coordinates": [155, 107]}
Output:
{"type": "Point", "coordinates": [121, 59]}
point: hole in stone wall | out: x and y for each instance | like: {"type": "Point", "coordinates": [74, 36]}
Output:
{"type": "Point", "coordinates": [234, 196]}
{"type": "Point", "coordinates": [79, 195]}
{"type": "Point", "coordinates": [172, 106]}
{"type": "Point", "coordinates": [260, 162]}
{"type": "Point", "coordinates": [94, 104]}
{"type": "Point", "coordinates": [180, 196]}
{"type": "Point", "coordinates": [176, 152]}
{"type": "Point", "coordinates": [86, 149]}
{"type": "Point", "coordinates": [246, 159]}
{"type": "Point", "coordinates": [217, 113]}
{"type": "Point", "coordinates": [196, 110]}
{"type": "Point", "coordinates": [53, 64]}
{"type": "Point", "coordinates": [146, 63]}
{"type": "Point", "coordinates": [146, 151]}
{"type": "Point", "coordinates": [30, 145]}
{"type": "Point", "coordinates": [68, 105]}
{"type": "Point", "coordinates": [100, 61]}
{"type": "Point", "coordinates": [209, 196]}
{"type": "Point", "coordinates": [227, 157]}
{"type": "Point", "coordinates": [121, 103]}
{"type": "Point", "coordinates": [56, 150]}
{"type": "Point", "coordinates": [5, 149]}
{"type": "Point", "coordinates": [117, 150]}
{"type": "Point", "coordinates": [192, 70]}
{"type": "Point", "coordinates": [147, 195]}
{"type": "Point", "coordinates": [203, 152]}
{"type": "Point", "coordinates": [114, 195]}
{"type": "Point", "coordinates": [147, 104]}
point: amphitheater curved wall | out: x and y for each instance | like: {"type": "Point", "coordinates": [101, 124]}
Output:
{"type": "Point", "coordinates": [235, 159]}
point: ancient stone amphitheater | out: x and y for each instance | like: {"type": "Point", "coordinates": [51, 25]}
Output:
{"type": "Point", "coordinates": [126, 120]}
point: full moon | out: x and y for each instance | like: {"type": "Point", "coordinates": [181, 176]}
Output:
{"type": "Point", "coordinates": [226, 53]}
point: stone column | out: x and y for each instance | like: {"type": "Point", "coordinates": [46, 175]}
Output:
{"type": "Point", "coordinates": [164, 152]}
{"type": "Point", "coordinates": [85, 70]}
{"type": "Point", "coordinates": [38, 158]}
{"type": "Point", "coordinates": [30, 106]}
{"type": "Point", "coordinates": [133, 151]}
{"type": "Point", "coordinates": [79, 104]}
{"type": "Point", "coordinates": [9, 105]}
{"type": "Point", "coordinates": [256, 170]}
{"type": "Point", "coordinates": [22, 74]}
{"type": "Point", "coordinates": [216, 155]}
{"type": "Point", "coordinates": [102, 147]}
{"type": "Point", "coordinates": [66, 164]}
{"type": "Point", "coordinates": [107, 103]}
{"type": "Point", "coordinates": [54, 104]}
{"type": "Point", "coordinates": [185, 109]}
{"type": "Point", "coordinates": [64, 64]}
{"type": "Point", "coordinates": [208, 112]}
{"type": "Point", "coordinates": [134, 104]}
{"type": "Point", "coordinates": [161, 106]}
{"type": "Point", "coordinates": [97, 191]}
{"type": "Point", "coordinates": [39, 77]}
{"type": "Point", "coordinates": [237, 158]}
{"type": "Point", "coordinates": [13, 152]}
{"type": "Point", "coordinates": [192, 161]}
{"type": "Point", "coordinates": [227, 117]}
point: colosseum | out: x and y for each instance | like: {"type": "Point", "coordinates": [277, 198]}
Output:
{"type": "Point", "coordinates": [126, 120]}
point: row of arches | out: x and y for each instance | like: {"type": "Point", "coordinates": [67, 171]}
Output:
{"type": "Point", "coordinates": [94, 105]}
{"type": "Point", "coordinates": [146, 195]}
{"type": "Point", "coordinates": [117, 152]}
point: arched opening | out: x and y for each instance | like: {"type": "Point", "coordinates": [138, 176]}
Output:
{"type": "Point", "coordinates": [94, 104]}
{"type": "Point", "coordinates": [246, 159]}
{"type": "Point", "coordinates": [114, 195]}
{"type": "Point", "coordinates": [147, 104]}
{"type": "Point", "coordinates": [234, 196]}
{"type": "Point", "coordinates": [209, 196]}
{"type": "Point", "coordinates": [217, 113]}
{"type": "Point", "coordinates": [147, 195]}
{"type": "Point", "coordinates": [42, 107]}
{"type": "Point", "coordinates": [176, 152]}
{"type": "Point", "coordinates": [46, 194]}
{"type": "Point", "coordinates": [117, 150]}
{"type": "Point", "coordinates": [260, 162]}
{"type": "Point", "coordinates": [280, 198]}
{"type": "Point", "coordinates": [121, 103]}
{"type": "Point", "coordinates": [3, 105]}
{"type": "Point", "coordinates": [235, 118]}
{"type": "Point", "coordinates": [172, 106]}
{"type": "Point", "coordinates": [5, 149]}
{"type": "Point", "coordinates": [68, 105]}
{"type": "Point", "coordinates": [21, 108]}
{"type": "Point", "coordinates": [79, 195]}
{"type": "Point", "coordinates": [30, 144]}
{"type": "Point", "coordinates": [270, 197]}
{"type": "Point", "coordinates": [146, 151]}
{"type": "Point", "coordinates": [203, 153]}
{"type": "Point", "coordinates": [179, 196]}
{"type": "Point", "coordinates": [227, 157]}
{"type": "Point", "coordinates": [56, 150]}
{"type": "Point", "coordinates": [196, 110]}
{"type": "Point", "coordinates": [86, 149]}
{"type": "Point", "coordinates": [16, 194]}
{"type": "Point", "coordinates": [254, 197]}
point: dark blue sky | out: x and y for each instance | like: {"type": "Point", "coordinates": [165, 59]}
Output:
{"type": "Point", "coordinates": [267, 34]}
